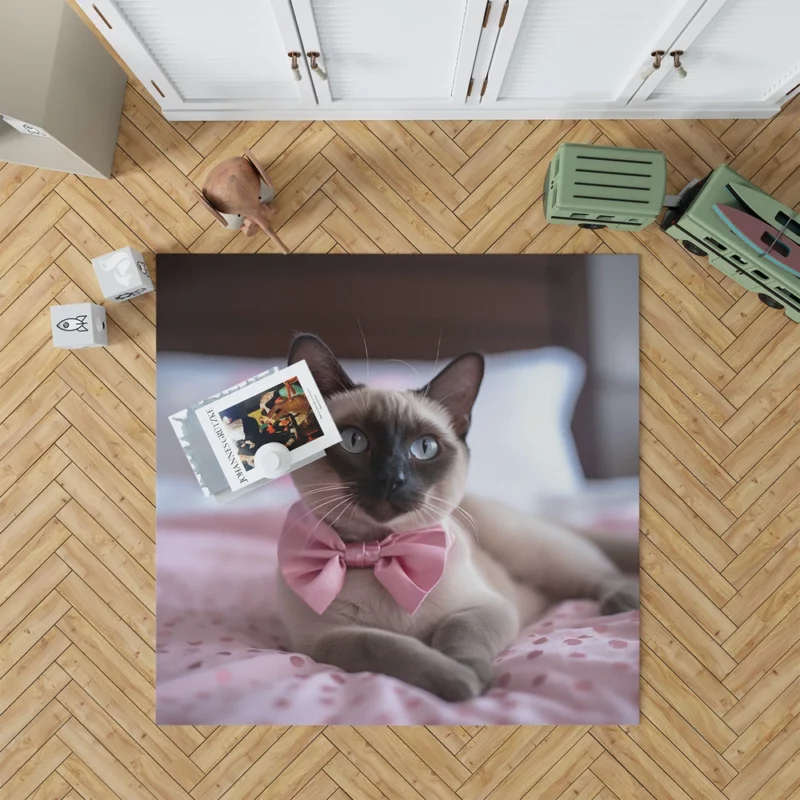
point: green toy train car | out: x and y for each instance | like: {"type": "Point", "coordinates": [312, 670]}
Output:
{"type": "Point", "coordinates": [696, 225]}
{"type": "Point", "coordinates": [605, 187]}
{"type": "Point", "coordinates": [613, 187]}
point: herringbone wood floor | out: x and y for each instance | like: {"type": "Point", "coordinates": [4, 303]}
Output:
{"type": "Point", "coordinates": [720, 463]}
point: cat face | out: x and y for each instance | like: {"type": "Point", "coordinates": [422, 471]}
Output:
{"type": "Point", "coordinates": [402, 463]}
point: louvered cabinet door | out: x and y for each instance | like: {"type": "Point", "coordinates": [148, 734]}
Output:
{"type": "Point", "coordinates": [390, 54]}
{"type": "Point", "coordinates": [209, 54]}
{"type": "Point", "coordinates": [571, 54]}
{"type": "Point", "coordinates": [734, 51]}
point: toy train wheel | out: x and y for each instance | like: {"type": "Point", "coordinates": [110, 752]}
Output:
{"type": "Point", "coordinates": [592, 226]}
{"type": "Point", "coordinates": [693, 248]}
{"type": "Point", "coordinates": [769, 301]}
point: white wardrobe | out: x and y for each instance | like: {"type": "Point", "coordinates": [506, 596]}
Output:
{"type": "Point", "coordinates": [448, 59]}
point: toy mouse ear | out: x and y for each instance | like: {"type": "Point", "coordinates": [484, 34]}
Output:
{"type": "Point", "coordinates": [213, 211]}
{"type": "Point", "coordinates": [248, 154]}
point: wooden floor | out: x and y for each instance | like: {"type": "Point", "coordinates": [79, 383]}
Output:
{"type": "Point", "coordinates": [720, 469]}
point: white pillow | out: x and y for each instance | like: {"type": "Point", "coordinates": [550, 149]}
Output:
{"type": "Point", "coordinates": [533, 454]}
{"type": "Point", "coordinates": [528, 458]}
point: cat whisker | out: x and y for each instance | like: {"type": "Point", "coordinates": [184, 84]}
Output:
{"type": "Point", "coordinates": [451, 510]}
{"type": "Point", "coordinates": [333, 524]}
{"type": "Point", "coordinates": [446, 505]}
{"type": "Point", "coordinates": [340, 498]}
{"type": "Point", "coordinates": [356, 392]}
{"type": "Point", "coordinates": [472, 523]}
{"type": "Point", "coordinates": [366, 350]}
{"type": "Point", "coordinates": [313, 509]}
{"type": "Point", "coordinates": [363, 400]}
{"type": "Point", "coordinates": [436, 513]}
{"type": "Point", "coordinates": [410, 366]}
{"type": "Point", "coordinates": [325, 502]}
{"type": "Point", "coordinates": [323, 490]}
{"type": "Point", "coordinates": [330, 511]}
{"type": "Point", "coordinates": [421, 514]}
{"type": "Point", "coordinates": [435, 363]}
{"type": "Point", "coordinates": [438, 350]}
{"type": "Point", "coordinates": [442, 399]}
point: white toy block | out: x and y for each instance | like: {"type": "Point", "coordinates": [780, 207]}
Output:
{"type": "Point", "coordinates": [122, 274]}
{"type": "Point", "coordinates": [79, 325]}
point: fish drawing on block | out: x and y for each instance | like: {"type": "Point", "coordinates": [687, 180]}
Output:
{"type": "Point", "coordinates": [74, 324]}
{"type": "Point", "coordinates": [765, 240]}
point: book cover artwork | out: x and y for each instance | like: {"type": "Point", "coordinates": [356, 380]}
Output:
{"type": "Point", "coordinates": [283, 406]}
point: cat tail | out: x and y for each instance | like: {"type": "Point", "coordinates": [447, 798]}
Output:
{"type": "Point", "coordinates": [623, 549]}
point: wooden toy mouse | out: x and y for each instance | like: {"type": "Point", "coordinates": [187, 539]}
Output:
{"type": "Point", "coordinates": [239, 189]}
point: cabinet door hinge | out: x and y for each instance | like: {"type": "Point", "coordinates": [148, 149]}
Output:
{"type": "Point", "coordinates": [483, 88]}
{"type": "Point", "coordinates": [469, 88]}
{"type": "Point", "coordinates": [486, 13]}
{"type": "Point", "coordinates": [503, 15]}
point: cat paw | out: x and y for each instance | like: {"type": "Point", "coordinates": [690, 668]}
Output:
{"type": "Point", "coordinates": [455, 684]}
{"type": "Point", "coordinates": [482, 668]}
{"type": "Point", "coordinates": [619, 594]}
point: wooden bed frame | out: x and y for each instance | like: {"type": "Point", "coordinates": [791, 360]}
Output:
{"type": "Point", "coordinates": [251, 305]}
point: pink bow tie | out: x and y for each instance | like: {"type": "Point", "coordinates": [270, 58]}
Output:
{"type": "Point", "coordinates": [313, 560]}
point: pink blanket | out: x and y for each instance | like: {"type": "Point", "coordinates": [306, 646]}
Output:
{"type": "Point", "coordinates": [221, 657]}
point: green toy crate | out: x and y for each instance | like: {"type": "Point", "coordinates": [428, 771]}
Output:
{"type": "Point", "coordinates": [700, 230]}
{"type": "Point", "coordinates": [605, 187]}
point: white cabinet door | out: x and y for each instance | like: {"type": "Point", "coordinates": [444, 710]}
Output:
{"type": "Point", "coordinates": [208, 54]}
{"type": "Point", "coordinates": [578, 53]}
{"type": "Point", "coordinates": [390, 54]}
{"type": "Point", "coordinates": [742, 51]}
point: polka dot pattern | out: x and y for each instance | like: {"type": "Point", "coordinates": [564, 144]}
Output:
{"type": "Point", "coordinates": [223, 676]}
{"type": "Point", "coordinates": [232, 664]}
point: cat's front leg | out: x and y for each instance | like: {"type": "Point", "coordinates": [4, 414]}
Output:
{"type": "Point", "coordinates": [356, 649]}
{"type": "Point", "coordinates": [475, 636]}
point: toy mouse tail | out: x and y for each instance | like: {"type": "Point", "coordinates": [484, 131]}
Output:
{"type": "Point", "coordinates": [263, 223]}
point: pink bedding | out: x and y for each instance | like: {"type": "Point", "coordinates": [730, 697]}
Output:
{"type": "Point", "coordinates": [221, 657]}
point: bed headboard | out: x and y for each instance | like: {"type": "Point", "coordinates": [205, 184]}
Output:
{"type": "Point", "coordinates": [250, 306]}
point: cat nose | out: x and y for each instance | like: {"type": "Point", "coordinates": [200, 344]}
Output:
{"type": "Point", "coordinates": [394, 482]}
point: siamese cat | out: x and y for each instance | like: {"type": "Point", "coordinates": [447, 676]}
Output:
{"type": "Point", "coordinates": [401, 468]}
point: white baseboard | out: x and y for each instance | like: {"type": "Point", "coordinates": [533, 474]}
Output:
{"type": "Point", "coordinates": [648, 111]}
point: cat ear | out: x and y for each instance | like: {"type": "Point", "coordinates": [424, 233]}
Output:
{"type": "Point", "coordinates": [456, 388]}
{"type": "Point", "coordinates": [325, 367]}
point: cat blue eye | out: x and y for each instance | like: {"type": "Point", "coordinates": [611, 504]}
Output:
{"type": "Point", "coordinates": [354, 441]}
{"type": "Point", "coordinates": [424, 448]}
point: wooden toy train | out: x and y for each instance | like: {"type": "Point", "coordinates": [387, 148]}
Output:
{"type": "Point", "coordinates": [745, 233]}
